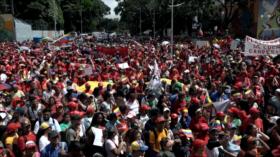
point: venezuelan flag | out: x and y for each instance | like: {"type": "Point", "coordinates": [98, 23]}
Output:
{"type": "Point", "coordinates": [117, 111]}
{"type": "Point", "coordinates": [64, 39]}
{"type": "Point", "coordinates": [187, 132]}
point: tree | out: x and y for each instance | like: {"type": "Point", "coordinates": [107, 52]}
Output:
{"type": "Point", "coordinates": [92, 12]}
{"type": "Point", "coordinates": [129, 11]}
{"type": "Point", "coordinates": [209, 12]}
{"type": "Point", "coordinates": [228, 9]}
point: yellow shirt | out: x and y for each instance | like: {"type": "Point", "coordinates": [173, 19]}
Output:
{"type": "Point", "coordinates": [10, 139]}
{"type": "Point", "coordinates": [155, 143]}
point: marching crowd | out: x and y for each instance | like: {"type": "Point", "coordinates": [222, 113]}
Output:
{"type": "Point", "coordinates": [195, 102]}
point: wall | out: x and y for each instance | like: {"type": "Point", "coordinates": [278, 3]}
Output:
{"type": "Point", "coordinates": [23, 30]}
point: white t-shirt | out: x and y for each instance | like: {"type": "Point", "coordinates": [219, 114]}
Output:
{"type": "Point", "coordinates": [109, 146]}
{"type": "Point", "coordinates": [3, 78]}
{"type": "Point", "coordinates": [143, 120]}
{"type": "Point", "coordinates": [214, 152]}
{"type": "Point", "coordinates": [43, 142]}
{"type": "Point", "coordinates": [133, 106]}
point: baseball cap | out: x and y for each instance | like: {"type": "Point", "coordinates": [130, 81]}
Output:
{"type": "Point", "coordinates": [53, 134]}
{"type": "Point", "coordinates": [13, 127]}
{"type": "Point", "coordinates": [166, 109]}
{"type": "Point", "coordinates": [185, 110]}
{"type": "Point", "coordinates": [220, 114]}
{"type": "Point", "coordinates": [139, 146]}
{"type": "Point", "coordinates": [44, 126]}
{"type": "Point", "coordinates": [145, 108]}
{"type": "Point", "coordinates": [174, 115]}
{"type": "Point", "coordinates": [30, 144]}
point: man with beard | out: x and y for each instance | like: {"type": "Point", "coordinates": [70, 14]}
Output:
{"type": "Point", "coordinates": [47, 118]}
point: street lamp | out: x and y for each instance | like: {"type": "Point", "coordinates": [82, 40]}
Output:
{"type": "Point", "coordinates": [172, 23]}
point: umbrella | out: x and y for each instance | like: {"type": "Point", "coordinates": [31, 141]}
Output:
{"type": "Point", "coordinates": [5, 86]}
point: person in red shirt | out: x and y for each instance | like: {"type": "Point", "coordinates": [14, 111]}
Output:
{"type": "Point", "coordinates": [197, 119]}
{"type": "Point", "coordinates": [198, 148]}
{"type": "Point", "coordinates": [27, 135]}
{"type": "Point", "coordinates": [255, 118]}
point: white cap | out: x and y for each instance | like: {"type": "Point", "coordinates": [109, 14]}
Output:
{"type": "Point", "coordinates": [166, 109]}
{"type": "Point", "coordinates": [277, 90]}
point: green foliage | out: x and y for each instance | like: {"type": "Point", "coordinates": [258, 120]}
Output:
{"type": "Point", "coordinates": [208, 12]}
{"type": "Point", "coordinates": [67, 13]}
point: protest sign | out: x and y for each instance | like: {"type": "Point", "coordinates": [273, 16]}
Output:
{"type": "Point", "coordinates": [255, 47]}
{"type": "Point", "coordinates": [123, 65]}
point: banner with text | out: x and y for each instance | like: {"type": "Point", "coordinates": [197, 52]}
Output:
{"type": "Point", "coordinates": [255, 47]}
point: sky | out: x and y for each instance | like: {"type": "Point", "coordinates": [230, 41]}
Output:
{"type": "Point", "coordinates": [112, 4]}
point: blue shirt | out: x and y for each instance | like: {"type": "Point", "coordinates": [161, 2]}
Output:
{"type": "Point", "coordinates": [49, 151]}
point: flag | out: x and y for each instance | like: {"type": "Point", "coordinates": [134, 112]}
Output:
{"type": "Point", "coordinates": [117, 111]}
{"type": "Point", "coordinates": [65, 39]}
{"type": "Point", "coordinates": [187, 132]}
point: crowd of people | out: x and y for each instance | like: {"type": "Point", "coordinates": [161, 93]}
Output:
{"type": "Point", "coordinates": [195, 102]}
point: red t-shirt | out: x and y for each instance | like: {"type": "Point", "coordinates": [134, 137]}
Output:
{"type": "Point", "coordinates": [23, 139]}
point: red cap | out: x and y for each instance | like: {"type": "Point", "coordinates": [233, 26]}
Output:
{"type": "Point", "coordinates": [77, 113]}
{"type": "Point", "coordinates": [72, 105]}
{"type": "Point", "coordinates": [122, 127]}
{"type": "Point", "coordinates": [238, 85]}
{"type": "Point", "coordinates": [160, 119]}
{"type": "Point", "coordinates": [174, 116]}
{"type": "Point", "coordinates": [195, 100]}
{"type": "Point", "coordinates": [254, 110]}
{"type": "Point", "coordinates": [233, 110]}
{"type": "Point", "coordinates": [13, 127]}
{"type": "Point", "coordinates": [145, 108]}
{"type": "Point", "coordinates": [220, 114]}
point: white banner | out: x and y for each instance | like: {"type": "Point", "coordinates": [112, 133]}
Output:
{"type": "Point", "coordinates": [255, 47]}
{"type": "Point", "coordinates": [123, 65]}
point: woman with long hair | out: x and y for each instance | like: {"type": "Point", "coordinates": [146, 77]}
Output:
{"type": "Point", "coordinates": [97, 123]}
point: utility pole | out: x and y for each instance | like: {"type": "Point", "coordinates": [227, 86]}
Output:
{"type": "Point", "coordinates": [54, 16]}
{"type": "Point", "coordinates": [154, 23]}
{"type": "Point", "coordinates": [172, 23]}
{"type": "Point", "coordinates": [81, 15]}
{"type": "Point", "coordinates": [172, 26]}
{"type": "Point", "coordinates": [140, 22]}
{"type": "Point", "coordinates": [12, 7]}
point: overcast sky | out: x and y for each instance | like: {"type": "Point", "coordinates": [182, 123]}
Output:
{"type": "Point", "coordinates": [112, 4]}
